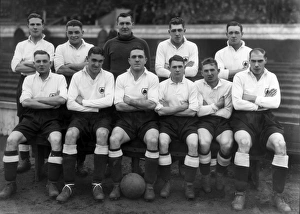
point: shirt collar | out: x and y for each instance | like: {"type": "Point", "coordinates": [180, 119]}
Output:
{"type": "Point", "coordinates": [243, 44]}
{"type": "Point", "coordinates": [144, 73]}
{"type": "Point", "coordinates": [184, 40]}
{"type": "Point", "coordinates": [82, 44]}
{"type": "Point", "coordinates": [174, 83]}
{"type": "Point", "coordinates": [264, 74]}
{"type": "Point", "coordinates": [217, 86]}
{"type": "Point", "coordinates": [37, 74]}
{"type": "Point", "coordinates": [29, 38]}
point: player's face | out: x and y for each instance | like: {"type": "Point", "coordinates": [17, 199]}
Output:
{"type": "Point", "coordinates": [177, 69]}
{"type": "Point", "coordinates": [257, 63]}
{"type": "Point", "coordinates": [137, 60]}
{"type": "Point", "coordinates": [95, 62]}
{"type": "Point", "coordinates": [42, 63]}
{"type": "Point", "coordinates": [210, 73]}
{"type": "Point", "coordinates": [177, 32]}
{"type": "Point", "coordinates": [234, 35]}
{"type": "Point", "coordinates": [35, 27]}
{"type": "Point", "coordinates": [74, 34]}
{"type": "Point", "coordinates": [125, 26]}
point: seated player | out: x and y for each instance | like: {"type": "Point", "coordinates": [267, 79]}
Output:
{"type": "Point", "coordinates": [214, 96]}
{"type": "Point", "coordinates": [90, 95]}
{"type": "Point", "coordinates": [136, 96]}
{"type": "Point", "coordinates": [42, 93]}
{"type": "Point", "coordinates": [254, 93]}
{"type": "Point", "coordinates": [177, 108]}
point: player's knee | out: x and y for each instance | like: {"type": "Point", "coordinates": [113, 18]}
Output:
{"type": "Point", "coordinates": [152, 143]}
{"type": "Point", "coordinates": [244, 145]}
{"type": "Point", "coordinates": [279, 146]}
{"type": "Point", "coordinates": [226, 144]}
{"type": "Point", "coordinates": [102, 136]}
{"type": "Point", "coordinates": [11, 143]}
{"type": "Point", "coordinates": [55, 141]}
{"type": "Point", "coordinates": [71, 136]}
{"type": "Point", "coordinates": [114, 142]}
{"type": "Point", "coordinates": [163, 145]}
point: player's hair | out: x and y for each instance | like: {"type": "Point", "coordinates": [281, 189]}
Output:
{"type": "Point", "coordinates": [234, 23]}
{"type": "Point", "coordinates": [96, 50]}
{"type": "Point", "coordinates": [41, 52]}
{"type": "Point", "coordinates": [176, 58]}
{"type": "Point", "coordinates": [35, 15]}
{"type": "Point", "coordinates": [258, 50]}
{"type": "Point", "coordinates": [74, 22]}
{"type": "Point", "coordinates": [137, 48]}
{"type": "Point", "coordinates": [124, 15]}
{"type": "Point", "coordinates": [176, 21]}
{"type": "Point", "coordinates": [209, 61]}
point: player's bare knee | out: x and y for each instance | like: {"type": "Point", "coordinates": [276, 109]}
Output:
{"type": "Point", "coordinates": [163, 146]}
{"type": "Point", "coordinates": [71, 136]}
{"type": "Point", "coordinates": [279, 146]}
{"type": "Point", "coordinates": [226, 146]}
{"type": "Point", "coordinates": [55, 141]}
{"type": "Point", "coordinates": [102, 136]}
{"type": "Point", "coordinates": [114, 142]}
{"type": "Point", "coordinates": [12, 143]}
{"type": "Point", "coordinates": [244, 145]}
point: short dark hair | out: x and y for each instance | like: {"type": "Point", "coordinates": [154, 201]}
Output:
{"type": "Point", "coordinates": [256, 50]}
{"type": "Point", "coordinates": [234, 23]}
{"type": "Point", "coordinates": [176, 58]}
{"type": "Point", "coordinates": [35, 15]}
{"type": "Point", "coordinates": [176, 21]}
{"type": "Point", "coordinates": [137, 48]}
{"type": "Point", "coordinates": [124, 15]}
{"type": "Point", "coordinates": [41, 52]}
{"type": "Point", "coordinates": [96, 50]}
{"type": "Point", "coordinates": [209, 61]}
{"type": "Point", "coordinates": [74, 22]}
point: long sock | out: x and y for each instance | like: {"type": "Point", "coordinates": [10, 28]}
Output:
{"type": "Point", "coordinates": [24, 151]}
{"type": "Point", "coordinates": [100, 162]}
{"type": "Point", "coordinates": [115, 164]}
{"type": "Point", "coordinates": [223, 161]}
{"type": "Point", "coordinates": [69, 162]}
{"type": "Point", "coordinates": [151, 164]}
{"type": "Point", "coordinates": [10, 160]}
{"type": "Point", "coordinates": [54, 165]}
{"type": "Point", "coordinates": [242, 163]}
{"type": "Point", "coordinates": [279, 167]}
{"type": "Point", "coordinates": [204, 160]}
{"type": "Point", "coordinates": [191, 165]}
{"type": "Point", "coordinates": [165, 162]}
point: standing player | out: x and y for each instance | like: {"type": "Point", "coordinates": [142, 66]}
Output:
{"type": "Point", "coordinates": [42, 94]}
{"type": "Point", "coordinates": [254, 93]}
{"type": "Point", "coordinates": [177, 108]}
{"type": "Point", "coordinates": [90, 94]}
{"type": "Point", "coordinates": [136, 96]}
{"type": "Point", "coordinates": [235, 57]}
{"type": "Point", "coordinates": [177, 44]}
{"type": "Point", "coordinates": [214, 96]}
{"type": "Point", "coordinates": [22, 62]}
{"type": "Point", "coordinates": [117, 50]}
{"type": "Point", "coordinates": [70, 58]}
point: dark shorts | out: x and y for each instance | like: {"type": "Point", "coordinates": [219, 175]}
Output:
{"type": "Point", "coordinates": [136, 124]}
{"type": "Point", "coordinates": [41, 122]}
{"type": "Point", "coordinates": [89, 122]}
{"type": "Point", "coordinates": [178, 127]}
{"type": "Point", "coordinates": [259, 124]}
{"type": "Point", "coordinates": [214, 124]}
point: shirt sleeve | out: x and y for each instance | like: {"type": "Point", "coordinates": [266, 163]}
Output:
{"type": "Point", "coordinates": [161, 88]}
{"type": "Point", "coordinates": [119, 91]}
{"type": "Point", "coordinates": [270, 102]}
{"type": "Point", "coordinates": [153, 89]}
{"type": "Point", "coordinates": [224, 73]}
{"type": "Point", "coordinates": [17, 58]}
{"type": "Point", "coordinates": [63, 92]}
{"type": "Point", "coordinates": [58, 58]}
{"type": "Point", "coordinates": [193, 99]}
{"type": "Point", "coordinates": [237, 96]}
{"type": "Point", "coordinates": [227, 110]}
{"type": "Point", "coordinates": [26, 89]}
{"type": "Point", "coordinates": [192, 71]}
{"type": "Point", "coordinates": [160, 60]}
{"type": "Point", "coordinates": [73, 92]}
{"type": "Point", "coordinates": [205, 109]}
{"type": "Point", "coordinates": [105, 101]}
